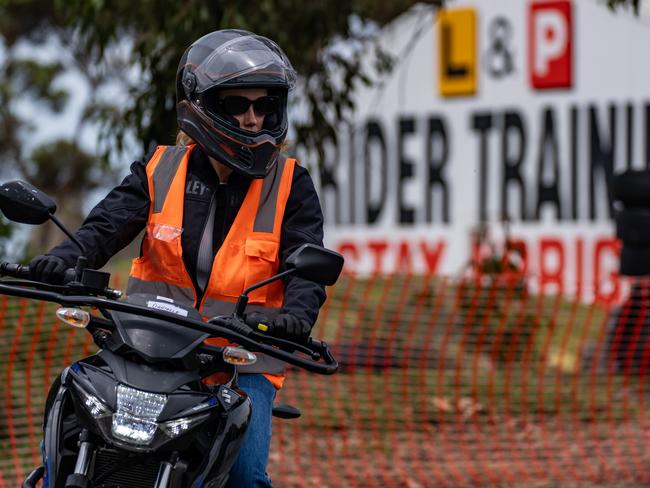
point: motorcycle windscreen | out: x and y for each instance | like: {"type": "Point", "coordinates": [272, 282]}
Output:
{"type": "Point", "coordinates": [156, 340]}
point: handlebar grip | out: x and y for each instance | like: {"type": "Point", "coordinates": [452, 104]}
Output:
{"type": "Point", "coordinates": [14, 270]}
{"type": "Point", "coordinates": [22, 271]}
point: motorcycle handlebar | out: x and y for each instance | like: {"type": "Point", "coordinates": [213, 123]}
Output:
{"type": "Point", "coordinates": [217, 327]}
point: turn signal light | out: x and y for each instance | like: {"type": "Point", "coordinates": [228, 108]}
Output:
{"type": "Point", "coordinates": [238, 356]}
{"type": "Point", "coordinates": [73, 316]}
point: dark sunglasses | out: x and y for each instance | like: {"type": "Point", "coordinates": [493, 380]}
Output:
{"type": "Point", "coordinates": [237, 105]}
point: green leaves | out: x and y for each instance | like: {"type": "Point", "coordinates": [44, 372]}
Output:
{"type": "Point", "coordinates": [35, 79]}
{"type": "Point", "coordinates": [59, 167]}
{"type": "Point", "coordinates": [154, 35]}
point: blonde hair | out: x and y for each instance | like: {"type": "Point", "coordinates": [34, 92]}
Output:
{"type": "Point", "coordinates": [182, 139]}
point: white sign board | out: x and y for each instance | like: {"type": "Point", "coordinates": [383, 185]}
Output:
{"type": "Point", "coordinates": [508, 110]}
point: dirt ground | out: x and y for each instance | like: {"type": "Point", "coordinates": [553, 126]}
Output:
{"type": "Point", "coordinates": [515, 454]}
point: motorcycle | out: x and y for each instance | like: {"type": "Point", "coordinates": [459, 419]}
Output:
{"type": "Point", "coordinates": [138, 413]}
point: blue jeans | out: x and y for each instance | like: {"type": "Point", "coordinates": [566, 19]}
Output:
{"type": "Point", "coordinates": [249, 470]}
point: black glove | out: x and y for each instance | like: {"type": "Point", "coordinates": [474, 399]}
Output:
{"type": "Point", "coordinates": [285, 326]}
{"type": "Point", "coordinates": [290, 327]}
{"type": "Point", "coordinates": [259, 322]}
{"type": "Point", "coordinates": [47, 268]}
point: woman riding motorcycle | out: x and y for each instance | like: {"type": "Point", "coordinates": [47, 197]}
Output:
{"type": "Point", "coordinates": [221, 209]}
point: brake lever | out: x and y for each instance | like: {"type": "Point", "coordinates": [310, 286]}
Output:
{"type": "Point", "coordinates": [324, 349]}
{"type": "Point", "coordinates": [39, 285]}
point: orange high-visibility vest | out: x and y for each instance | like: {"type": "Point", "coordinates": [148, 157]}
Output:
{"type": "Point", "coordinates": [248, 255]}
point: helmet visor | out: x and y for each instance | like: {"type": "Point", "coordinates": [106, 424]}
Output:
{"type": "Point", "coordinates": [252, 58]}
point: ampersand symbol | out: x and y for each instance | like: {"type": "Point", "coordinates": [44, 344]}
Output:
{"type": "Point", "coordinates": [499, 56]}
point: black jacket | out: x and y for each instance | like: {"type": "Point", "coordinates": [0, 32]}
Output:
{"type": "Point", "coordinates": [123, 213]}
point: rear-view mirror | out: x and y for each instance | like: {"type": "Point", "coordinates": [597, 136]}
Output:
{"type": "Point", "coordinates": [315, 263]}
{"type": "Point", "coordinates": [24, 203]}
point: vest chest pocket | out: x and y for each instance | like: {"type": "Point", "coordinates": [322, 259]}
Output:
{"type": "Point", "coordinates": [161, 252]}
{"type": "Point", "coordinates": [261, 263]}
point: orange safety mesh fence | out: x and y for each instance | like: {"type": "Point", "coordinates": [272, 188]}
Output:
{"type": "Point", "coordinates": [443, 382]}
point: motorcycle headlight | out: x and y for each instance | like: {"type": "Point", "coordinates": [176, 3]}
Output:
{"type": "Point", "coordinates": [136, 416]}
{"type": "Point", "coordinates": [95, 407]}
{"type": "Point", "coordinates": [174, 428]}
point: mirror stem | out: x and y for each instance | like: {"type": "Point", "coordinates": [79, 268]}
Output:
{"type": "Point", "coordinates": [243, 298]}
{"type": "Point", "coordinates": [67, 233]}
{"type": "Point", "coordinates": [269, 280]}
{"type": "Point", "coordinates": [241, 305]}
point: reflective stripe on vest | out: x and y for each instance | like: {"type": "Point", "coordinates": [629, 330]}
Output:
{"type": "Point", "coordinates": [164, 174]}
{"type": "Point", "coordinates": [249, 253]}
{"type": "Point", "coordinates": [176, 293]}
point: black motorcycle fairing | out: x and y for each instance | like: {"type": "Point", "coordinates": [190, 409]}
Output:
{"type": "Point", "coordinates": [154, 340]}
{"type": "Point", "coordinates": [60, 433]}
{"type": "Point", "coordinates": [187, 397]}
{"type": "Point", "coordinates": [226, 445]}
{"type": "Point", "coordinates": [94, 380]}
{"type": "Point", "coordinates": [52, 428]}
{"type": "Point", "coordinates": [187, 394]}
{"type": "Point", "coordinates": [146, 377]}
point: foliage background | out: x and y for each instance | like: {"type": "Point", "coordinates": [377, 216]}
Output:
{"type": "Point", "coordinates": [123, 57]}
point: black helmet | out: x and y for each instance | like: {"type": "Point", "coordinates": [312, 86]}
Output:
{"type": "Point", "coordinates": [233, 59]}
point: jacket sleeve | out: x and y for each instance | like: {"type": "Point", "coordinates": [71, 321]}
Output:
{"type": "Point", "coordinates": [302, 223]}
{"type": "Point", "coordinates": [113, 223]}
